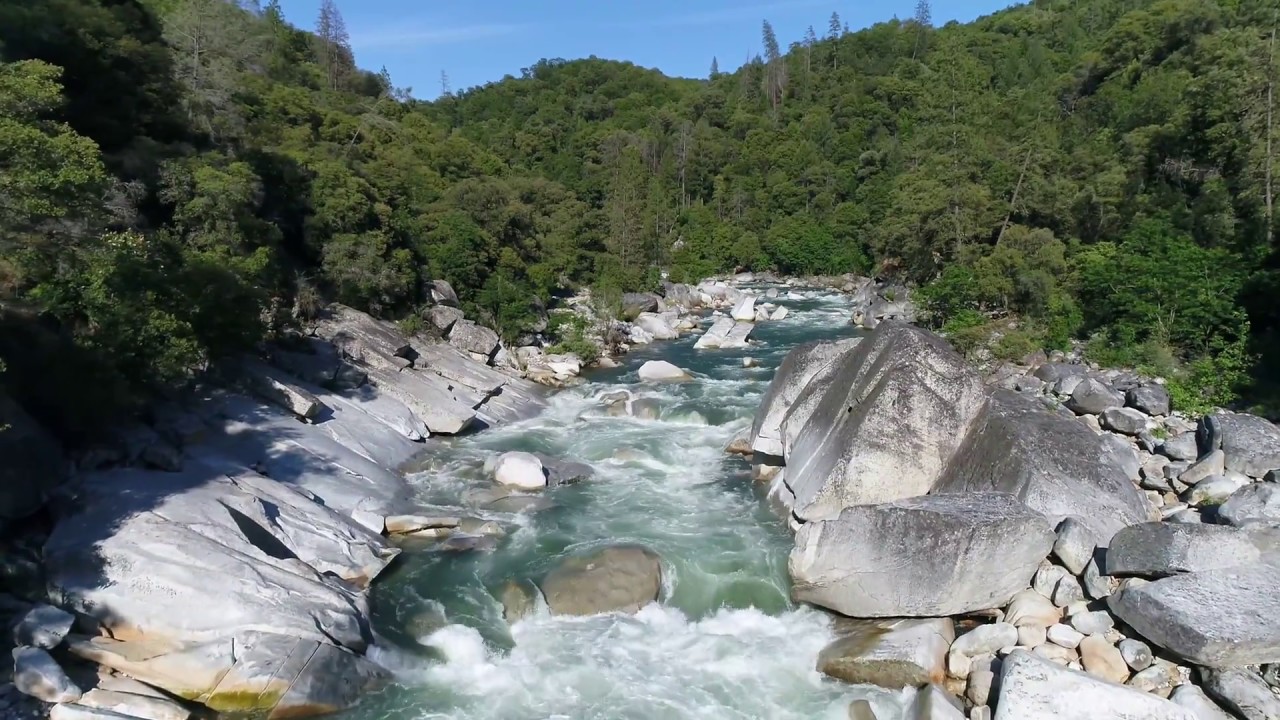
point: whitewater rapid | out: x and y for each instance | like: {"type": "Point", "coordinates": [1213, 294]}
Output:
{"type": "Point", "coordinates": [724, 642]}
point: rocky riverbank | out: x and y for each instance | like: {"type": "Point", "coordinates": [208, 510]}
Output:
{"type": "Point", "coordinates": [1057, 543]}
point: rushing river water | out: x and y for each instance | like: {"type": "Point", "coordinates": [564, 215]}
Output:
{"type": "Point", "coordinates": [725, 641]}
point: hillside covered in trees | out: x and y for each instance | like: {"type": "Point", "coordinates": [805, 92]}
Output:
{"type": "Point", "coordinates": [180, 179]}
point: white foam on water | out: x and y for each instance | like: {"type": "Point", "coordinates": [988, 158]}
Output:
{"type": "Point", "coordinates": [733, 664]}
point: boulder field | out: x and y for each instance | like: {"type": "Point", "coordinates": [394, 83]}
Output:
{"type": "Point", "coordinates": [1047, 542]}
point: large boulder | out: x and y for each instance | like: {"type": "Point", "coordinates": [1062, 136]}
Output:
{"type": "Point", "coordinates": [521, 470]}
{"type": "Point", "coordinates": [33, 466]}
{"type": "Point", "coordinates": [1052, 463]}
{"type": "Point", "coordinates": [1215, 618]}
{"type": "Point", "coordinates": [1160, 549]}
{"type": "Point", "coordinates": [889, 418]}
{"type": "Point", "coordinates": [716, 335]}
{"type": "Point", "coordinates": [1033, 688]}
{"type": "Point", "coordinates": [1093, 397]}
{"type": "Point", "coordinates": [920, 557]}
{"type": "Point", "coordinates": [1243, 691]}
{"type": "Point", "coordinates": [657, 326]}
{"type": "Point", "coordinates": [661, 371]}
{"type": "Point", "coordinates": [1254, 505]}
{"type": "Point", "coordinates": [635, 303]}
{"type": "Point", "coordinates": [1251, 444]}
{"type": "Point", "coordinates": [137, 555]}
{"type": "Point", "coordinates": [910, 653]}
{"type": "Point", "coordinates": [806, 363]}
{"type": "Point", "coordinates": [745, 309]}
{"type": "Point", "coordinates": [470, 337]}
{"type": "Point", "coordinates": [443, 317]}
{"type": "Point", "coordinates": [1150, 399]}
{"type": "Point", "coordinates": [621, 578]}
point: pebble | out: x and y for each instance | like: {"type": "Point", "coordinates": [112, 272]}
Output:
{"type": "Point", "coordinates": [1097, 622]}
{"type": "Point", "coordinates": [1101, 659]}
{"type": "Point", "coordinates": [1137, 654]}
{"type": "Point", "coordinates": [1065, 635]}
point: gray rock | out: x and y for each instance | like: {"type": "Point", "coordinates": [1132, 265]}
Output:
{"type": "Point", "coordinates": [1243, 692]}
{"type": "Point", "coordinates": [43, 626]}
{"type": "Point", "coordinates": [986, 639]}
{"type": "Point", "coordinates": [1096, 585]}
{"type": "Point", "coordinates": [1067, 591]}
{"type": "Point", "coordinates": [276, 387]}
{"type": "Point", "coordinates": [1159, 549]}
{"type": "Point", "coordinates": [1047, 577]}
{"type": "Point", "coordinates": [978, 689]}
{"type": "Point", "coordinates": [37, 674]}
{"type": "Point", "coordinates": [1150, 399]}
{"type": "Point", "coordinates": [1067, 385]}
{"type": "Point", "coordinates": [1251, 444]}
{"type": "Point", "coordinates": [1076, 474]}
{"type": "Point", "coordinates": [635, 303]}
{"type": "Point", "coordinates": [470, 337]}
{"type": "Point", "coordinates": [519, 600]}
{"type": "Point", "coordinates": [1137, 654]}
{"type": "Point", "coordinates": [1095, 622]}
{"type": "Point", "coordinates": [1215, 490]}
{"type": "Point", "coordinates": [1180, 447]}
{"type": "Point", "coordinates": [1053, 372]}
{"type": "Point", "coordinates": [442, 293]}
{"type": "Point", "coordinates": [1032, 688]}
{"type": "Point", "coordinates": [622, 578]}
{"type": "Point", "coordinates": [1124, 420]}
{"type": "Point", "coordinates": [1215, 618]}
{"type": "Point", "coordinates": [1209, 466]}
{"type": "Point", "coordinates": [1159, 678]}
{"type": "Point", "coordinates": [1202, 708]}
{"type": "Point", "coordinates": [888, 421]}
{"type": "Point", "coordinates": [443, 318]}
{"type": "Point", "coordinates": [34, 465]}
{"type": "Point", "coordinates": [1065, 636]}
{"type": "Point", "coordinates": [808, 362]}
{"type": "Point", "coordinates": [910, 653]}
{"type": "Point", "coordinates": [716, 335]}
{"type": "Point", "coordinates": [927, 556]}
{"type": "Point", "coordinates": [1075, 544]}
{"type": "Point", "coordinates": [1093, 397]}
{"type": "Point", "coordinates": [861, 710]}
{"type": "Point", "coordinates": [1256, 504]}
{"type": "Point", "coordinates": [933, 703]}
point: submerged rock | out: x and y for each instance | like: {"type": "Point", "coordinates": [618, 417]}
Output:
{"type": "Point", "coordinates": [927, 556]}
{"type": "Point", "coordinates": [621, 578]}
{"type": "Point", "coordinates": [910, 653]}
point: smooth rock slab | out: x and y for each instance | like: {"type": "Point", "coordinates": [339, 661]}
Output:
{"type": "Point", "coordinates": [130, 705]}
{"type": "Point", "coordinates": [1160, 549]}
{"type": "Point", "coordinates": [1032, 688]}
{"type": "Point", "coordinates": [805, 363]}
{"type": "Point", "coordinates": [623, 578]}
{"type": "Point", "coordinates": [909, 654]}
{"type": "Point", "coordinates": [928, 556]}
{"type": "Point", "coordinates": [1215, 618]}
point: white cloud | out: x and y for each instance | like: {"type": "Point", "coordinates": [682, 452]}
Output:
{"type": "Point", "coordinates": [419, 33]}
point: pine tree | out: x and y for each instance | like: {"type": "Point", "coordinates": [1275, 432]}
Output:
{"type": "Point", "coordinates": [833, 34]}
{"type": "Point", "coordinates": [924, 13]}
{"type": "Point", "coordinates": [715, 68]}
{"type": "Point", "coordinates": [335, 44]}
{"type": "Point", "coordinates": [445, 89]}
{"type": "Point", "coordinates": [810, 39]}
{"type": "Point", "coordinates": [775, 75]}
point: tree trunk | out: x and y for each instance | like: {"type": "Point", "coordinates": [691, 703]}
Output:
{"type": "Point", "coordinates": [1013, 202]}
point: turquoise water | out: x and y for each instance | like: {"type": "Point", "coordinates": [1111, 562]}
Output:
{"type": "Point", "coordinates": [724, 642]}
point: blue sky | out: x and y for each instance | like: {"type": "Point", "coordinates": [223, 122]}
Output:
{"type": "Point", "coordinates": [479, 41]}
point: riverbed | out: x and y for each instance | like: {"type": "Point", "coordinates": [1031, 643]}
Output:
{"type": "Point", "coordinates": [724, 642]}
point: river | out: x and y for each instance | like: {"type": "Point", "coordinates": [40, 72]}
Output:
{"type": "Point", "coordinates": [725, 641]}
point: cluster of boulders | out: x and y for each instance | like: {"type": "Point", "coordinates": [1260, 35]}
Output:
{"type": "Point", "coordinates": [280, 477]}
{"type": "Point", "coordinates": [1054, 543]}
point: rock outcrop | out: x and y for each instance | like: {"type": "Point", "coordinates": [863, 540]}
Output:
{"type": "Point", "coordinates": [806, 363]}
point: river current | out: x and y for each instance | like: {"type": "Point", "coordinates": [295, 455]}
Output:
{"type": "Point", "coordinates": [725, 642]}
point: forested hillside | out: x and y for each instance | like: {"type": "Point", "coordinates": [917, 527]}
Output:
{"type": "Point", "coordinates": [182, 178]}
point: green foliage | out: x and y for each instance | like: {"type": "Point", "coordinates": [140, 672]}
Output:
{"type": "Point", "coordinates": [568, 331]}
